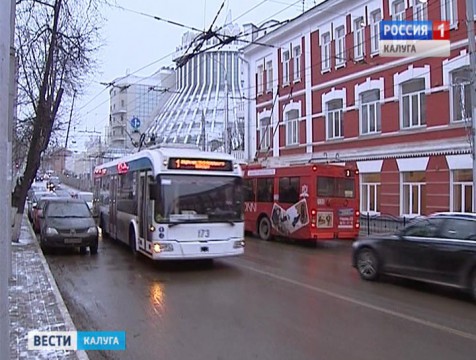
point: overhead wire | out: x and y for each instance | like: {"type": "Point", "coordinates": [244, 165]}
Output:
{"type": "Point", "coordinates": [319, 62]}
{"type": "Point", "coordinates": [154, 62]}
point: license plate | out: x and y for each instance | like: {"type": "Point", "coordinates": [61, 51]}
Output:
{"type": "Point", "coordinates": [72, 241]}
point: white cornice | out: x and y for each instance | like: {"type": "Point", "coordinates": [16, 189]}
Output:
{"type": "Point", "coordinates": [440, 147]}
{"type": "Point", "coordinates": [311, 19]}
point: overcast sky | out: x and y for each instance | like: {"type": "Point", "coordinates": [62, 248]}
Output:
{"type": "Point", "coordinates": [133, 41]}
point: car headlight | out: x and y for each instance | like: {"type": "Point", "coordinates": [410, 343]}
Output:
{"type": "Point", "coordinates": [93, 230]}
{"type": "Point", "coordinates": [51, 231]}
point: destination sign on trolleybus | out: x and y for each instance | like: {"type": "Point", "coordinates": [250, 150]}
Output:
{"type": "Point", "coordinates": [200, 164]}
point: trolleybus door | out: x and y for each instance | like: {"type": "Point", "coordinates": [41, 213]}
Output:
{"type": "Point", "coordinates": [144, 221]}
{"type": "Point", "coordinates": [113, 208]}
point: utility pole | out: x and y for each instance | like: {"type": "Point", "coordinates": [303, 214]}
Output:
{"type": "Point", "coordinates": [69, 122]}
{"type": "Point", "coordinates": [472, 64]}
{"type": "Point", "coordinates": [6, 8]}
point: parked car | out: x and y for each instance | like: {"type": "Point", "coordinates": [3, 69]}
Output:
{"type": "Point", "coordinates": [67, 222]}
{"type": "Point", "coordinates": [38, 210]}
{"type": "Point", "coordinates": [439, 249]}
{"type": "Point", "coordinates": [33, 201]}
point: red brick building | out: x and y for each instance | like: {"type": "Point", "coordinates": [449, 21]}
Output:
{"type": "Point", "coordinates": [326, 94]}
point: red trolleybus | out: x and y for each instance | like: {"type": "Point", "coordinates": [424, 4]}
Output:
{"type": "Point", "coordinates": [302, 202]}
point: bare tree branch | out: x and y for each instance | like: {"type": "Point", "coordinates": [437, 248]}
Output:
{"type": "Point", "coordinates": [55, 41]}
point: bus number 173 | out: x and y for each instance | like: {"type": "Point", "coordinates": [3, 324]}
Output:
{"type": "Point", "coordinates": [203, 233]}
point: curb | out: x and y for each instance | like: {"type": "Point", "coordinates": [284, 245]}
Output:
{"type": "Point", "coordinates": [81, 354]}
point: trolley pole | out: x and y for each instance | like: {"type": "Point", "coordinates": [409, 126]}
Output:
{"type": "Point", "coordinates": [472, 64]}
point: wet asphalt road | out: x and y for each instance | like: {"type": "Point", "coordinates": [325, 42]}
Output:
{"type": "Point", "coordinates": [278, 301]}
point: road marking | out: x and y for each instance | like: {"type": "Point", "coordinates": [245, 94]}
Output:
{"type": "Point", "coordinates": [367, 305]}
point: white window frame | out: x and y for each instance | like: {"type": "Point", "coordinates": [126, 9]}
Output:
{"type": "Point", "coordinates": [326, 51]}
{"type": "Point", "coordinates": [259, 80]}
{"type": "Point", "coordinates": [449, 12]}
{"type": "Point", "coordinates": [331, 116]}
{"type": "Point", "coordinates": [297, 63]}
{"type": "Point", "coordinates": [453, 88]}
{"type": "Point", "coordinates": [421, 112]}
{"type": "Point", "coordinates": [340, 46]}
{"type": "Point", "coordinates": [264, 133]}
{"type": "Point", "coordinates": [400, 15]}
{"type": "Point", "coordinates": [420, 10]}
{"type": "Point", "coordinates": [463, 185]}
{"type": "Point", "coordinates": [410, 185]}
{"type": "Point", "coordinates": [292, 127]}
{"type": "Point", "coordinates": [286, 57]}
{"type": "Point", "coordinates": [372, 106]}
{"type": "Point", "coordinates": [359, 39]}
{"type": "Point", "coordinates": [269, 76]}
{"type": "Point", "coordinates": [365, 201]}
{"type": "Point", "coordinates": [375, 18]}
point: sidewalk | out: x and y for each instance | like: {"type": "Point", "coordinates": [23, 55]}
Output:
{"type": "Point", "coordinates": [35, 301]}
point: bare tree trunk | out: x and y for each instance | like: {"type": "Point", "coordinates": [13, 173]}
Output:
{"type": "Point", "coordinates": [45, 117]}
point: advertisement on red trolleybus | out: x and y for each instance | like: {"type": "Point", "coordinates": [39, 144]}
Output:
{"type": "Point", "coordinates": [302, 202]}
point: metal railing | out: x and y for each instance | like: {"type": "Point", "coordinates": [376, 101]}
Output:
{"type": "Point", "coordinates": [383, 223]}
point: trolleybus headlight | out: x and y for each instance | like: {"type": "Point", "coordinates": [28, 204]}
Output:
{"type": "Point", "coordinates": [151, 228]}
{"type": "Point", "coordinates": [238, 244]}
{"type": "Point", "coordinates": [161, 247]}
{"type": "Point", "coordinates": [156, 248]}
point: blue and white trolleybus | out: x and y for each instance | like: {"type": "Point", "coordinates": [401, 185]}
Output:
{"type": "Point", "coordinates": [172, 203]}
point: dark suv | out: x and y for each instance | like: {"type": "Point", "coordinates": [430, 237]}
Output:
{"type": "Point", "coordinates": [440, 249]}
{"type": "Point", "coordinates": [68, 222]}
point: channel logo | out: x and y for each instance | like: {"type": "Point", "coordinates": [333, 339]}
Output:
{"type": "Point", "coordinates": [76, 340]}
{"type": "Point", "coordinates": [414, 38]}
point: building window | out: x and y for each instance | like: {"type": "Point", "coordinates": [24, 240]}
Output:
{"type": "Point", "coordinates": [370, 193]}
{"type": "Point", "coordinates": [370, 116]}
{"type": "Point", "coordinates": [326, 51]}
{"type": "Point", "coordinates": [335, 125]}
{"type": "Point", "coordinates": [260, 79]}
{"type": "Point", "coordinates": [420, 10]}
{"type": "Point", "coordinates": [340, 46]}
{"type": "Point", "coordinates": [265, 133]}
{"type": "Point", "coordinates": [297, 63]}
{"type": "Point", "coordinates": [375, 18]}
{"type": "Point", "coordinates": [461, 94]}
{"type": "Point", "coordinates": [286, 67]}
{"type": "Point", "coordinates": [359, 38]}
{"type": "Point", "coordinates": [269, 76]}
{"type": "Point", "coordinates": [122, 103]}
{"type": "Point", "coordinates": [398, 8]}
{"type": "Point", "coordinates": [449, 11]}
{"type": "Point", "coordinates": [462, 191]}
{"type": "Point", "coordinates": [413, 194]}
{"type": "Point", "coordinates": [413, 103]}
{"type": "Point", "coordinates": [292, 127]}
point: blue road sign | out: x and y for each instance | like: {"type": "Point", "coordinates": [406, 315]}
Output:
{"type": "Point", "coordinates": [135, 123]}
